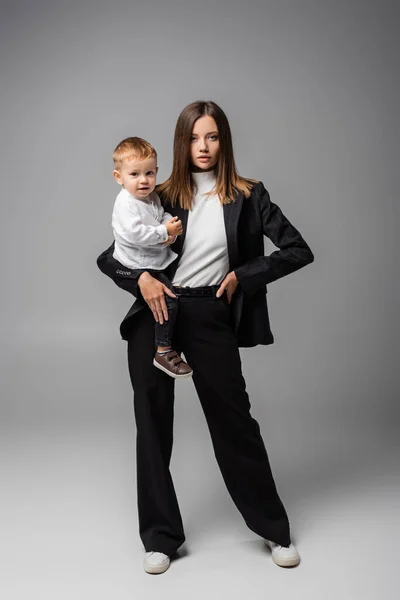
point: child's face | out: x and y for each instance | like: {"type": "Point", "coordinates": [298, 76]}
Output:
{"type": "Point", "coordinates": [138, 176]}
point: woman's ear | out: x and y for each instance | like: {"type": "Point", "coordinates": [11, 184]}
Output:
{"type": "Point", "coordinates": [117, 176]}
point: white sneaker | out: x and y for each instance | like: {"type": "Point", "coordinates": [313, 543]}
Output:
{"type": "Point", "coordinates": [282, 555]}
{"type": "Point", "coordinates": [156, 562]}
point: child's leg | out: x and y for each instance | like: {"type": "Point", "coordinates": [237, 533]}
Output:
{"type": "Point", "coordinates": [164, 331]}
{"type": "Point", "coordinates": [166, 358]}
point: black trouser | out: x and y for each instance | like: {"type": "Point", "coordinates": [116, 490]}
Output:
{"type": "Point", "coordinates": [204, 333]}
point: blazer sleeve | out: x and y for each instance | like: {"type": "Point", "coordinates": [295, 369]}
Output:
{"type": "Point", "coordinates": [123, 277]}
{"type": "Point", "coordinates": [293, 254]}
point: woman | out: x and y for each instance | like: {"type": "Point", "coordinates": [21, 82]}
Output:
{"type": "Point", "coordinates": [220, 278]}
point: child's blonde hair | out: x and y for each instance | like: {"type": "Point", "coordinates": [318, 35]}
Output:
{"type": "Point", "coordinates": [132, 148]}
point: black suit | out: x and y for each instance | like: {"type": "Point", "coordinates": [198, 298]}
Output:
{"type": "Point", "coordinates": [247, 220]}
{"type": "Point", "coordinates": [208, 331]}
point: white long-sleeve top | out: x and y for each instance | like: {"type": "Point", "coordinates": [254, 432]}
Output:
{"type": "Point", "coordinates": [204, 260]}
{"type": "Point", "coordinates": [139, 231]}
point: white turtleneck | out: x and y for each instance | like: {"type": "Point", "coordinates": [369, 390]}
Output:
{"type": "Point", "coordinates": [204, 259]}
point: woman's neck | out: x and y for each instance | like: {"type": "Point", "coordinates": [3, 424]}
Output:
{"type": "Point", "coordinates": [195, 169]}
{"type": "Point", "coordinates": [208, 175]}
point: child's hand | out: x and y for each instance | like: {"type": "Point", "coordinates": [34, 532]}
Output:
{"type": "Point", "coordinates": [174, 226]}
{"type": "Point", "coordinates": [171, 239]}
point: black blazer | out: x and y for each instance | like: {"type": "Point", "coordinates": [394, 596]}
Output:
{"type": "Point", "coordinates": [247, 220]}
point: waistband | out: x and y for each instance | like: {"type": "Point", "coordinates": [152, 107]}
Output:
{"type": "Point", "coordinates": [207, 291]}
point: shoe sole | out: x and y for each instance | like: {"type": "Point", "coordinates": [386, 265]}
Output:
{"type": "Point", "coordinates": [156, 364]}
{"type": "Point", "coordinates": [155, 570]}
{"type": "Point", "coordinates": [284, 562]}
{"type": "Point", "coordinates": [291, 562]}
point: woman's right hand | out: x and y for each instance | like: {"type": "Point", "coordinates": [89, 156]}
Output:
{"type": "Point", "coordinates": [153, 292]}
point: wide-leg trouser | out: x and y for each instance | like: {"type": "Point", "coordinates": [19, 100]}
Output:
{"type": "Point", "coordinates": [203, 332]}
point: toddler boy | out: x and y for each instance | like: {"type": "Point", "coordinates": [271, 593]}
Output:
{"type": "Point", "coordinates": [141, 227]}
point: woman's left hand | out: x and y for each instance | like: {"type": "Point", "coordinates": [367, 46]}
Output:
{"type": "Point", "coordinates": [229, 284]}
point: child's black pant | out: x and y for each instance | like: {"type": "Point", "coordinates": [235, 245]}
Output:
{"type": "Point", "coordinates": [164, 332]}
{"type": "Point", "coordinates": [126, 278]}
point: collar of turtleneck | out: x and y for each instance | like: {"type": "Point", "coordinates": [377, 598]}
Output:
{"type": "Point", "coordinates": [204, 179]}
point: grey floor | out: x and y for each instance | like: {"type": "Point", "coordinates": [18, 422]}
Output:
{"type": "Point", "coordinates": [68, 497]}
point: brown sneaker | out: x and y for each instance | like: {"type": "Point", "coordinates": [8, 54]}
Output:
{"type": "Point", "coordinates": [172, 364]}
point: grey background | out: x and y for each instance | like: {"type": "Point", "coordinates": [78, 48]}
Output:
{"type": "Point", "coordinates": [311, 91]}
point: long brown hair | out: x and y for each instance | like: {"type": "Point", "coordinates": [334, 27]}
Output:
{"type": "Point", "coordinates": [179, 187]}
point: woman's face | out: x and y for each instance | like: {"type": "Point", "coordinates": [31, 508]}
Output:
{"type": "Point", "coordinates": [204, 144]}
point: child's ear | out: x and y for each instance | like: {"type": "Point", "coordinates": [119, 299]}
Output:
{"type": "Point", "coordinates": [156, 169]}
{"type": "Point", "coordinates": [117, 176]}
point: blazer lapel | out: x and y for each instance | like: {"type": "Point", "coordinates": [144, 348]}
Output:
{"type": "Point", "coordinates": [177, 246]}
{"type": "Point", "coordinates": [231, 218]}
{"type": "Point", "coordinates": [182, 214]}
